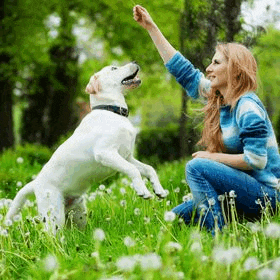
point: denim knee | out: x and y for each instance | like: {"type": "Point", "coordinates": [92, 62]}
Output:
{"type": "Point", "coordinates": [198, 165]}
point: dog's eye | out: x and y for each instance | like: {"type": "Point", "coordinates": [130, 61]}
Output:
{"type": "Point", "coordinates": [114, 68]}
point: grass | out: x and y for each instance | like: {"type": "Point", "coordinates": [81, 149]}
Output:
{"type": "Point", "coordinates": [140, 242]}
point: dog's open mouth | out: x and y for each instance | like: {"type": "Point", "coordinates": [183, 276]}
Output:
{"type": "Point", "coordinates": [132, 79]}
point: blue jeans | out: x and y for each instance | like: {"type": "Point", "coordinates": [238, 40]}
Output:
{"type": "Point", "coordinates": [208, 180]}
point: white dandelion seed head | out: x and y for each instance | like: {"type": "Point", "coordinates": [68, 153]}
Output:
{"type": "Point", "coordinates": [8, 223]}
{"type": "Point", "coordinates": [177, 190]}
{"type": "Point", "coordinates": [126, 263]}
{"type": "Point", "coordinates": [169, 216]}
{"type": "Point", "coordinates": [17, 218]}
{"type": "Point", "coordinates": [125, 182]}
{"type": "Point", "coordinates": [20, 160]}
{"type": "Point", "coordinates": [123, 203]}
{"type": "Point", "coordinates": [8, 202]}
{"type": "Point", "coordinates": [122, 191]}
{"type": "Point", "coordinates": [128, 241]}
{"type": "Point", "coordinates": [147, 220]}
{"type": "Point", "coordinates": [227, 257]}
{"type": "Point", "coordinates": [204, 258]}
{"type": "Point", "coordinates": [202, 209]}
{"type": "Point", "coordinates": [168, 202]}
{"type": "Point", "coordinates": [267, 274]}
{"type": "Point", "coordinates": [196, 247]}
{"type": "Point", "coordinates": [221, 197]}
{"type": "Point", "coordinates": [99, 234]}
{"type": "Point", "coordinates": [34, 177]}
{"type": "Point", "coordinates": [173, 247]}
{"type": "Point", "coordinates": [19, 184]}
{"type": "Point", "coordinates": [137, 211]}
{"type": "Point", "coordinates": [50, 263]}
{"type": "Point", "coordinates": [188, 197]}
{"type": "Point", "coordinates": [129, 222]}
{"type": "Point", "coordinates": [272, 230]}
{"type": "Point", "coordinates": [94, 255]}
{"type": "Point", "coordinates": [109, 191]}
{"type": "Point", "coordinates": [211, 201]}
{"type": "Point", "coordinates": [102, 187]}
{"type": "Point", "coordinates": [4, 232]}
{"type": "Point", "coordinates": [180, 275]}
{"type": "Point", "coordinates": [251, 263]}
{"type": "Point", "coordinates": [150, 261]}
{"type": "Point", "coordinates": [167, 192]}
{"type": "Point", "coordinates": [232, 194]}
{"type": "Point", "coordinates": [254, 227]}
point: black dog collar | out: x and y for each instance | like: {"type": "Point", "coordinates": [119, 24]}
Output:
{"type": "Point", "coordinates": [118, 110]}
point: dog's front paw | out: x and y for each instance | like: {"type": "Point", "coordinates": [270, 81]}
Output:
{"type": "Point", "coordinates": [162, 194]}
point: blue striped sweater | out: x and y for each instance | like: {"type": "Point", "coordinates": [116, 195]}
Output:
{"type": "Point", "coordinates": [245, 130]}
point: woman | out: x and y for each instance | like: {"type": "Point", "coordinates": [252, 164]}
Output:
{"type": "Point", "coordinates": [241, 155]}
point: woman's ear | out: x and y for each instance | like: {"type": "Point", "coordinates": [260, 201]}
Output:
{"type": "Point", "coordinates": [93, 86]}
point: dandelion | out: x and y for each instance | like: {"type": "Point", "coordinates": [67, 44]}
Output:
{"type": "Point", "coordinates": [272, 230]}
{"type": "Point", "coordinates": [34, 177]}
{"type": "Point", "coordinates": [173, 247]}
{"type": "Point", "coordinates": [227, 257]}
{"type": "Point", "coordinates": [221, 197]}
{"type": "Point", "coordinates": [8, 223]}
{"type": "Point", "coordinates": [102, 187]}
{"type": "Point", "coordinates": [147, 220]}
{"type": "Point", "coordinates": [150, 261]}
{"type": "Point", "coordinates": [17, 218]}
{"type": "Point", "coordinates": [20, 160]}
{"type": "Point", "coordinates": [123, 203]}
{"type": "Point", "coordinates": [8, 202]}
{"type": "Point", "coordinates": [188, 197]}
{"type": "Point", "coordinates": [129, 242]}
{"type": "Point", "coordinates": [19, 184]}
{"type": "Point", "coordinates": [125, 182]}
{"type": "Point", "coordinates": [251, 263]}
{"type": "Point", "coordinates": [204, 258]}
{"type": "Point", "coordinates": [122, 191]}
{"type": "Point", "coordinates": [4, 232]}
{"type": "Point", "coordinates": [50, 263]}
{"type": "Point", "coordinates": [196, 247]}
{"type": "Point", "coordinates": [254, 227]}
{"type": "Point", "coordinates": [211, 201]}
{"type": "Point", "coordinates": [232, 194]}
{"type": "Point", "coordinates": [177, 190]}
{"type": "Point", "coordinates": [167, 192]}
{"type": "Point", "coordinates": [99, 234]}
{"type": "Point", "coordinates": [137, 211]}
{"type": "Point", "coordinates": [109, 191]}
{"type": "Point", "coordinates": [267, 274]}
{"type": "Point", "coordinates": [92, 196]}
{"type": "Point", "coordinates": [169, 216]}
{"type": "Point", "coordinates": [180, 275]}
{"type": "Point", "coordinates": [126, 263]}
{"type": "Point", "coordinates": [94, 255]}
{"type": "Point", "coordinates": [129, 222]}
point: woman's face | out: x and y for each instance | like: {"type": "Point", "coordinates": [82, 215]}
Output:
{"type": "Point", "coordinates": [217, 72]}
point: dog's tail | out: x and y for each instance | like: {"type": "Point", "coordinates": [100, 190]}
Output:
{"type": "Point", "coordinates": [19, 201]}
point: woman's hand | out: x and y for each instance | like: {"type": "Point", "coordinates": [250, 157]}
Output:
{"type": "Point", "coordinates": [143, 18]}
{"type": "Point", "coordinates": [204, 154]}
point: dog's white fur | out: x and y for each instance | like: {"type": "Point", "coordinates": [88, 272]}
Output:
{"type": "Point", "coordinates": [101, 145]}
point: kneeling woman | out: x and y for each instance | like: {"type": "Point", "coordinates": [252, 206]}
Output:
{"type": "Point", "coordinates": [241, 153]}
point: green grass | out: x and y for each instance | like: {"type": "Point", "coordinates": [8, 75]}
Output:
{"type": "Point", "coordinates": [27, 252]}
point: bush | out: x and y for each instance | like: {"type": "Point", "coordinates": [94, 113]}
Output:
{"type": "Point", "coordinates": [157, 145]}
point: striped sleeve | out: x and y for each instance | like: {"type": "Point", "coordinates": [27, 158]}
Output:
{"type": "Point", "coordinates": [253, 133]}
{"type": "Point", "coordinates": [187, 76]}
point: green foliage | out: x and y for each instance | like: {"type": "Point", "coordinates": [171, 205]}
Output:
{"type": "Point", "coordinates": [161, 144]}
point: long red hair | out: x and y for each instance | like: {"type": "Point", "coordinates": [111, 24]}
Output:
{"type": "Point", "coordinates": [242, 78]}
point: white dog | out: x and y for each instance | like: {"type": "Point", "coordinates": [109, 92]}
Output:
{"type": "Point", "coordinates": [101, 145]}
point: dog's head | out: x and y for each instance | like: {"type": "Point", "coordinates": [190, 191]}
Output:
{"type": "Point", "coordinates": [113, 77]}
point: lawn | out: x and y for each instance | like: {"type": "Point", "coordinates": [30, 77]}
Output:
{"type": "Point", "coordinates": [128, 237]}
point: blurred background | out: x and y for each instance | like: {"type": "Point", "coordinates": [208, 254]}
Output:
{"type": "Point", "coordinates": [50, 48]}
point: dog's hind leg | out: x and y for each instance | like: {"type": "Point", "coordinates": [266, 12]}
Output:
{"type": "Point", "coordinates": [19, 201]}
{"type": "Point", "coordinates": [149, 172]}
{"type": "Point", "coordinates": [51, 208]}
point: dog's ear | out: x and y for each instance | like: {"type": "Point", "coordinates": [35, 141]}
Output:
{"type": "Point", "coordinates": [93, 86]}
